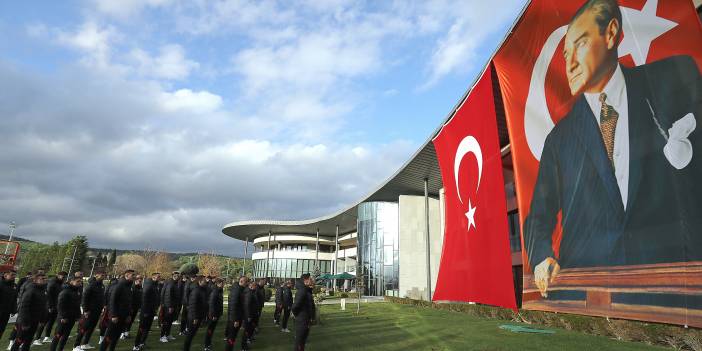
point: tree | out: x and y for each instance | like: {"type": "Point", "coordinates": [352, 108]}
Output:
{"type": "Point", "coordinates": [130, 261]}
{"type": "Point", "coordinates": [157, 261]}
{"type": "Point", "coordinates": [75, 253]}
{"type": "Point", "coordinates": [209, 264]}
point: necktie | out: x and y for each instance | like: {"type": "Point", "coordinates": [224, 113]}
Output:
{"type": "Point", "coordinates": [608, 124]}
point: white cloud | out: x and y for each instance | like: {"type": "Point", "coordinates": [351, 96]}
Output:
{"type": "Point", "coordinates": [170, 63]}
{"type": "Point", "coordinates": [93, 40]}
{"type": "Point", "coordinates": [123, 9]}
{"type": "Point", "coordinates": [190, 101]}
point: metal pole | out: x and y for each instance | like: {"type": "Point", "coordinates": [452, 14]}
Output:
{"type": "Point", "coordinates": [316, 259]}
{"type": "Point", "coordinates": [93, 267]}
{"type": "Point", "coordinates": [336, 255]}
{"type": "Point", "coordinates": [75, 248]}
{"type": "Point", "coordinates": [12, 231]}
{"type": "Point", "coordinates": [268, 253]}
{"type": "Point", "coordinates": [426, 216]}
{"type": "Point", "coordinates": [246, 253]}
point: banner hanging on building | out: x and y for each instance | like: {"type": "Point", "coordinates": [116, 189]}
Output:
{"type": "Point", "coordinates": [602, 99]}
{"type": "Point", "coordinates": [476, 261]}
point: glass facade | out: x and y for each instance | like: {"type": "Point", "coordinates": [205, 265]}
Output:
{"type": "Point", "coordinates": [378, 247]}
{"type": "Point", "coordinates": [288, 268]}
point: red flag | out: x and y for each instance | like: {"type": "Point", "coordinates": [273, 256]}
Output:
{"type": "Point", "coordinates": [476, 263]}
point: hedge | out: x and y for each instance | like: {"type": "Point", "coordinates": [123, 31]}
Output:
{"type": "Point", "coordinates": [673, 336]}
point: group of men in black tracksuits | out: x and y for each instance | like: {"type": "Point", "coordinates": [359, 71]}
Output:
{"type": "Point", "coordinates": [198, 300]}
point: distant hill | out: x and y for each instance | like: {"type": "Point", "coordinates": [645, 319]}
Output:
{"type": "Point", "coordinates": [27, 243]}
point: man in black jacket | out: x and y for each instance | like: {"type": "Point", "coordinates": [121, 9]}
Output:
{"type": "Point", "coordinates": [197, 306]}
{"type": "Point", "coordinates": [189, 285]}
{"type": "Point", "coordinates": [68, 311]}
{"type": "Point", "coordinates": [150, 302]}
{"type": "Point", "coordinates": [8, 298]}
{"type": "Point", "coordinates": [105, 316]}
{"type": "Point", "coordinates": [250, 308]}
{"type": "Point", "coordinates": [170, 304]}
{"type": "Point", "coordinates": [235, 312]}
{"type": "Point", "coordinates": [278, 303]}
{"type": "Point", "coordinates": [180, 308]}
{"type": "Point", "coordinates": [136, 304]}
{"type": "Point", "coordinates": [261, 298]}
{"type": "Point", "coordinates": [53, 288]}
{"type": "Point", "coordinates": [119, 309]}
{"type": "Point", "coordinates": [286, 302]}
{"type": "Point", "coordinates": [31, 311]}
{"type": "Point", "coordinates": [215, 308]}
{"type": "Point", "coordinates": [304, 310]}
{"type": "Point", "coordinates": [93, 302]}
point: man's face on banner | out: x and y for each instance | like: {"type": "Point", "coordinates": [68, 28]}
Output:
{"type": "Point", "coordinates": [587, 53]}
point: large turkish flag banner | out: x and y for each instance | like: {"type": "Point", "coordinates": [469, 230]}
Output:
{"type": "Point", "coordinates": [586, 218]}
{"type": "Point", "coordinates": [476, 262]}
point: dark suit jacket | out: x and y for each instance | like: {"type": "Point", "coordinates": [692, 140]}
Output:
{"type": "Point", "coordinates": [663, 218]}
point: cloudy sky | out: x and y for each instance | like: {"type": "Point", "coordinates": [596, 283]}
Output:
{"type": "Point", "coordinates": [155, 122]}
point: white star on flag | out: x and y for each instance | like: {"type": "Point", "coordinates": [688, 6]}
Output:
{"type": "Point", "coordinates": [640, 29]}
{"type": "Point", "coordinates": [471, 215]}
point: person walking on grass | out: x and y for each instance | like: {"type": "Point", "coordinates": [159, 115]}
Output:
{"type": "Point", "coordinates": [170, 306]}
{"type": "Point", "coordinates": [215, 309]}
{"type": "Point", "coordinates": [150, 302]}
{"type": "Point", "coordinates": [137, 294]}
{"type": "Point", "coordinates": [235, 313]}
{"type": "Point", "coordinates": [67, 312]}
{"type": "Point", "coordinates": [105, 316]}
{"type": "Point", "coordinates": [286, 304]}
{"type": "Point", "coordinates": [93, 302]}
{"type": "Point", "coordinates": [8, 298]}
{"type": "Point", "coordinates": [261, 299]}
{"type": "Point", "coordinates": [278, 303]}
{"type": "Point", "coordinates": [119, 309]}
{"type": "Point", "coordinates": [32, 310]}
{"type": "Point", "coordinates": [197, 306]}
{"type": "Point", "coordinates": [53, 288]}
{"type": "Point", "coordinates": [189, 285]}
{"type": "Point", "coordinates": [304, 310]}
{"type": "Point", "coordinates": [250, 308]}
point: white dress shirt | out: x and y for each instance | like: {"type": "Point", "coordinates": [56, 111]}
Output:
{"type": "Point", "coordinates": [617, 98]}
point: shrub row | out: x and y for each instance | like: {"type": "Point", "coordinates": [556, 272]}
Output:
{"type": "Point", "coordinates": [673, 336]}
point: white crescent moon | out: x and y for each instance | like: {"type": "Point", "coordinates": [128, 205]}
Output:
{"type": "Point", "coordinates": [537, 120]}
{"type": "Point", "coordinates": [467, 145]}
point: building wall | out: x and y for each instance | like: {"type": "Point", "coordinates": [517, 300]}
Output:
{"type": "Point", "coordinates": [412, 226]}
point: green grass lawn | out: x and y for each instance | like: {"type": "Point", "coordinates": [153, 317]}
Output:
{"type": "Point", "coordinates": [386, 326]}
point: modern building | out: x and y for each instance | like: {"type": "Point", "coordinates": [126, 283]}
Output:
{"type": "Point", "coordinates": [390, 237]}
{"type": "Point", "coordinates": [382, 238]}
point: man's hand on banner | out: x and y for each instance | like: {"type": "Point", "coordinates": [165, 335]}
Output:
{"type": "Point", "coordinates": [545, 273]}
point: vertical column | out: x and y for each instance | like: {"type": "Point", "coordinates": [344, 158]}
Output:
{"type": "Point", "coordinates": [268, 253]}
{"type": "Point", "coordinates": [316, 259]}
{"type": "Point", "coordinates": [246, 253]}
{"type": "Point", "coordinates": [336, 254]}
{"type": "Point", "coordinates": [426, 216]}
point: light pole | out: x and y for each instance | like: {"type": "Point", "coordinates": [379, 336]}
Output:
{"type": "Point", "coordinates": [93, 267]}
{"type": "Point", "coordinates": [12, 231]}
{"type": "Point", "coordinates": [70, 267]}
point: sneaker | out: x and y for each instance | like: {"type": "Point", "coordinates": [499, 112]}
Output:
{"type": "Point", "coordinates": [9, 347]}
{"type": "Point", "coordinates": [286, 330]}
{"type": "Point", "coordinates": [180, 334]}
{"type": "Point", "coordinates": [171, 337]}
{"type": "Point", "coordinates": [77, 348]}
{"type": "Point", "coordinates": [102, 338]}
{"type": "Point", "coordinates": [86, 347]}
{"type": "Point", "coordinates": [126, 334]}
{"type": "Point", "coordinates": [37, 342]}
{"type": "Point", "coordinates": [176, 323]}
{"type": "Point", "coordinates": [163, 339]}
{"type": "Point", "coordinates": [46, 339]}
{"type": "Point", "coordinates": [123, 336]}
